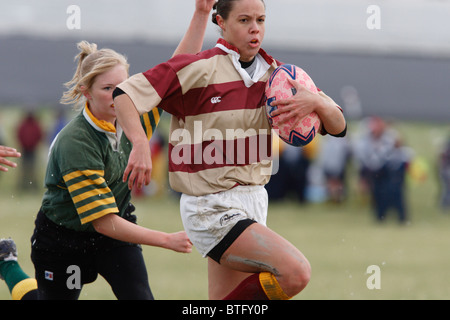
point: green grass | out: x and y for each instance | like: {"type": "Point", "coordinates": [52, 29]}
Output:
{"type": "Point", "coordinates": [340, 241]}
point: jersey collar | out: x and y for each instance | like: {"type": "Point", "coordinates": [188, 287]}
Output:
{"type": "Point", "coordinates": [263, 62]}
{"type": "Point", "coordinates": [229, 47]}
{"type": "Point", "coordinates": [114, 135]}
{"type": "Point", "coordinates": [99, 125]}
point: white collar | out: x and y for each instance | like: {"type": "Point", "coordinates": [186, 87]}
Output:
{"type": "Point", "coordinates": [113, 137]}
{"type": "Point", "coordinates": [261, 66]}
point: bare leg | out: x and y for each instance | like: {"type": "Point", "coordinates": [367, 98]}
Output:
{"type": "Point", "coordinates": [222, 280]}
{"type": "Point", "coordinates": [259, 249]}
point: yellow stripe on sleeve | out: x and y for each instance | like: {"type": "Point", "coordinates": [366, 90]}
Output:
{"type": "Point", "coordinates": [156, 115]}
{"type": "Point", "coordinates": [95, 204]}
{"type": "Point", "coordinates": [79, 173]}
{"type": "Point", "coordinates": [148, 125]}
{"type": "Point", "coordinates": [91, 193]}
{"type": "Point", "coordinates": [85, 183]}
{"type": "Point", "coordinates": [98, 215]}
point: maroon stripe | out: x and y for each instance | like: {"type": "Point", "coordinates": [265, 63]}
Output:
{"type": "Point", "coordinates": [164, 80]}
{"type": "Point", "coordinates": [183, 60]}
{"type": "Point", "coordinates": [219, 153]}
{"type": "Point", "coordinates": [224, 97]}
{"type": "Point", "coordinates": [213, 98]}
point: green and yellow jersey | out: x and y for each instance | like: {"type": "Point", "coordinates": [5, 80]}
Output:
{"type": "Point", "coordinates": [85, 169]}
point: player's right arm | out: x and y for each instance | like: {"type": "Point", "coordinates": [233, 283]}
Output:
{"type": "Point", "coordinates": [139, 168]}
{"type": "Point", "coordinates": [193, 39]}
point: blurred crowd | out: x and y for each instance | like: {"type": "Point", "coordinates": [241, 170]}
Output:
{"type": "Point", "coordinates": [372, 163]}
{"type": "Point", "coordinates": [30, 136]}
{"type": "Point", "coordinates": [374, 160]}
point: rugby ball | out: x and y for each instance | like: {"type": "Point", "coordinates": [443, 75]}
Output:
{"type": "Point", "coordinates": [296, 133]}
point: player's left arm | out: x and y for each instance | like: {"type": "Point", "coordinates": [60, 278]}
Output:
{"type": "Point", "coordinates": [304, 102]}
{"type": "Point", "coordinates": [332, 117]}
{"type": "Point", "coordinates": [113, 226]}
{"type": "Point", "coordinates": [192, 41]}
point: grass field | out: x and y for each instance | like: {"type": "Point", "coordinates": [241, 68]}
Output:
{"type": "Point", "coordinates": [340, 241]}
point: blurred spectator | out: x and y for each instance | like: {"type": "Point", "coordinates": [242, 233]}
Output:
{"type": "Point", "coordinates": [2, 143]}
{"type": "Point", "coordinates": [60, 122]}
{"type": "Point", "coordinates": [370, 151]}
{"type": "Point", "coordinates": [29, 134]}
{"type": "Point", "coordinates": [334, 158]}
{"type": "Point", "coordinates": [397, 167]}
{"type": "Point", "coordinates": [444, 173]}
{"type": "Point", "coordinates": [383, 163]}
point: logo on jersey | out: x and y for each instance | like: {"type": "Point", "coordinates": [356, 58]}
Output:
{"type": "Point", "coordinates": [216, 100]}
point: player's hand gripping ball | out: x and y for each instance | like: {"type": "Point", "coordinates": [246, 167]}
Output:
{"type": "Point", "coordinates": [293, 132]}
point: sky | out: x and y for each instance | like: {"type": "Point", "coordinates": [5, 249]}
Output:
{"type": "Point", "coordinates": [420, 27]}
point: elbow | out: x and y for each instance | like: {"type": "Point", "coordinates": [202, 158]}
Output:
{"type": "Point", "coordinates": [341, 131]}
{"type": "Point", "coordinates": [338, 131]}
{"type": "Point", "coordinates": [332, 116]}
{"type": "Point", "coordinates": [98, 227]}
{"type": "Point", "coordinates": [100, 224]}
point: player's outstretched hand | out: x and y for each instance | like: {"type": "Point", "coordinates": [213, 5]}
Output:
{"type": "Point", "coordinates": [8, 152]}
{"type": "Point", "coordinates": [180, 242]}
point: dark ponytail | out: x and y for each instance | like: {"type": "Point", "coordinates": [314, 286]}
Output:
{"type": "Point", "coordinates": [214, 15]}
{"type": "Point", "coordinates": [223, 9]}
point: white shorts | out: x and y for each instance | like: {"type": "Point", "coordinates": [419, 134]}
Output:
{"type": "Point", "coordinates": [208, 219]}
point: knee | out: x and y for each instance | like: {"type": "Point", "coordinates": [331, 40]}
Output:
{"type": "Point", "coordinates": [296, 278]}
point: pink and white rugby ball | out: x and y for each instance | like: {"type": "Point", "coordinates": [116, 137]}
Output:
{"type": "Point", "coordinates": [278, 87]}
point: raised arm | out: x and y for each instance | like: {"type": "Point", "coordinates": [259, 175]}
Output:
{"type": "Point", "coordinates": [192, 41]}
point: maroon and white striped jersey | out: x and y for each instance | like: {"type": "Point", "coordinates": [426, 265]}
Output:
{"type": "Point", "coordinates": [219, 135]}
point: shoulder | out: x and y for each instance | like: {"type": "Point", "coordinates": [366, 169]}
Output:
{"type": "Point", "coordinates": [182, 61]}
{"type": "Point", "coordinates": [76, 138]}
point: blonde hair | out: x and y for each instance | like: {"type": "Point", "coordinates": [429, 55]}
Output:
{"type": "Point", "coordinates": [91, 63]}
